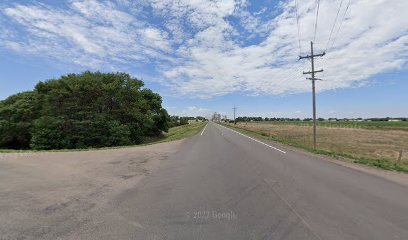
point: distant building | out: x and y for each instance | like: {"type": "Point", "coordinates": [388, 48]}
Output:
{"type": "Point", "coordinates": [216, 117]}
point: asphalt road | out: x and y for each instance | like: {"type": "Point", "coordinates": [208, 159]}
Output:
{"type": "Point", "coordinates": [222, 185]}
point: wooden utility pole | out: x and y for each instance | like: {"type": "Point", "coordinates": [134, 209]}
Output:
{"type": "Point", "coordinates": [311, 57]}
{"type": "Point", "coordinates": [235, 109]}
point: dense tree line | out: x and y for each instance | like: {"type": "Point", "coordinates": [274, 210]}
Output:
{"type": "Point", "coordinates": [81, 111]}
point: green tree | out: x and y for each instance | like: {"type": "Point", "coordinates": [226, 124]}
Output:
{"type": "Point", "coordinates": [47, 134]}
{"type": "Point", "coordinates": [16, 115]}
{"type": "Point", "coordinates": [83, 110]}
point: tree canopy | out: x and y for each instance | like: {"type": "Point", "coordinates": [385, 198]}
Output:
{"type": "Point", "coordinates": [81, 111]}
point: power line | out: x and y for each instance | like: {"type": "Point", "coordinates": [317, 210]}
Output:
{"type": "Point", "coordinates": [344, 57]}
{"type": "Point", "coordinates": [334, 24]}
{"type": "Point", "coordinates": [341, 23]}
{"type": "Point", "coordinates": [298, 26]}
{"type": "Point", "coordinates": [316, 19]}
{"type": "Point", "coordinates": [292, 73]}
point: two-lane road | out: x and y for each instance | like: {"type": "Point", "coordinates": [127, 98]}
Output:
{"type": "Point", "coordinates": [223, 185]}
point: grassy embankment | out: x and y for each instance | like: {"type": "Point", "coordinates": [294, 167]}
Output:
{"type": "Point", "coordinates": [179, 132]}
{"type": "Point", "coordinates": [371, 143]}
{"type": "Point", "coordinates": [175, 133]}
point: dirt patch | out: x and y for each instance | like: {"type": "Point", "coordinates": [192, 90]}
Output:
{"type": "Point", "coordinates": [48, 193]}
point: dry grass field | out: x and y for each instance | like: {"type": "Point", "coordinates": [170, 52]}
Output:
{"type": "Point", "coordinates": [361, 144]}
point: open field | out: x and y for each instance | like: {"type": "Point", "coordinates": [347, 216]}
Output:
{"type": "Point", "coordinates": [372, 146]}
{"type": "Point", "coordinates": [401, 125]}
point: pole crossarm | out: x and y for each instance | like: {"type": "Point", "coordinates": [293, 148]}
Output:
{"type": "Point", "coordinates": [310, 56]}
{"type": "Point", "coordinates": [321, 70]}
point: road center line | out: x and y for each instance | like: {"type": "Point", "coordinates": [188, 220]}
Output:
{"type": "Point", "coordinates": [277, 149]}
{"type": "Point", "coordinates": [203, 129]}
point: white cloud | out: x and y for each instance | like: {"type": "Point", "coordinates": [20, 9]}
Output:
{"type": "Point", "coordinates": [191, 111]}
{"type": "Point", "coordinates": [89, 33]}
{"type": "Point", "coordinates": [196, 50]}
{"type": "Point", "coordinates": [372, 40]}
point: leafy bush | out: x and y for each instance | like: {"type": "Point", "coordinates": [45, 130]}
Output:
{"type": "Point", "coordinates": [183, 121]}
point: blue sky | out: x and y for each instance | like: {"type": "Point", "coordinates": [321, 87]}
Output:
{"type": "Point", "coordinates": [204, 56]}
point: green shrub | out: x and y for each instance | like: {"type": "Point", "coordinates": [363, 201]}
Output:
{"type": "Point", "coordinates": [183, 121]}
{"type": "Point", "coordinates": [47, 134]}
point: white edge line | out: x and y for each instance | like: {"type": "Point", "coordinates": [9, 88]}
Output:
{"type": "Point", "coordinates": [203, 129]}
{"type": "Point", "coordinates": [277, 149]}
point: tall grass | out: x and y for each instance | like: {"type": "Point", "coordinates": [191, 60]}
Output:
{"type": "Point", "coordinates": [402, 125]}
{"type": "Point", "coordinates": [359, 145]}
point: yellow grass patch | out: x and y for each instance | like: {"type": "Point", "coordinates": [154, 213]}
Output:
{"type": "Point", "coordinates": [356, 142]}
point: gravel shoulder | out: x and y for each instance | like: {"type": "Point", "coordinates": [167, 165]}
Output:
{"type": "Point", "coordinates": [47, 195]}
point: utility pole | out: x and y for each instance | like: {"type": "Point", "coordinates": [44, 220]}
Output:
{"type": "Point", "coordinates": [311, 57]}
{"type": "Point", "coordinates": [235, 109]}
